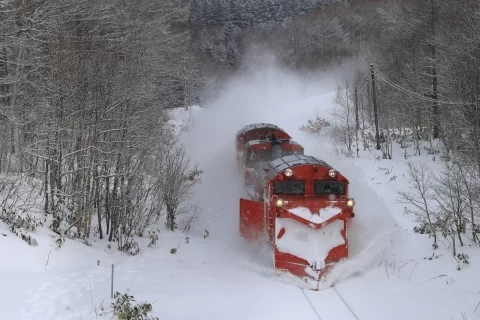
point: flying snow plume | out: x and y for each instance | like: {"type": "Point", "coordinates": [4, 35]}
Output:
{"type": "Point", "coordinates": [264, 92]}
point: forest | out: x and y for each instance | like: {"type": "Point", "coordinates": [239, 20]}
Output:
{"type": "Point", "coordinates": [85, 86]}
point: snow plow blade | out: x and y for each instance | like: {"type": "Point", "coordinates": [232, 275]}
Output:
{"type": "Point", "coordinates": [252, 219]}
{"type": "Point", "coordinates": [307, 252]}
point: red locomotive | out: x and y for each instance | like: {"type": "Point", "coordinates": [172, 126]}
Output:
{"type": "Point", "coordinates": [302, 206]}
{"type": "Point", "coordinates": [262, 142]}
{"type": "Point", "coordinates": [257, 131]}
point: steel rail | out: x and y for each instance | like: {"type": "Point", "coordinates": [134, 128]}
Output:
{"type": "Point", "coordinates": [341, 298]}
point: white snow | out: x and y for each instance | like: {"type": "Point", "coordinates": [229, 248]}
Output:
{"type": "Point", "coordinates": [388, 275]}
{"type": "Point", "coordinates": [183, 118]}
{"type": "Point", "coordinates": [323, 215]}
{"type": "Point", "coordinates": [312, 245]}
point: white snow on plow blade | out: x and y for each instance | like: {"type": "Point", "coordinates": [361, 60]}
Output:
{"type": "Point", "coordinates": [322, 216]}
{"type": "Point", "coordinates": [307, 243]}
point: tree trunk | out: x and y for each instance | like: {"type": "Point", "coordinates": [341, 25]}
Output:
{"type": "Point", "coordinates": [45, 207]}
{"type": "Point", "coordinates": [108, 216]}
{"type": "Point", "coordinates": [98, 201]}
{"type": "Point", "coordinates": [436, 121]}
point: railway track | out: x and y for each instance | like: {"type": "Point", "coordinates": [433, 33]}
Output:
{"type": "Point", "coordinates": [329, 304]}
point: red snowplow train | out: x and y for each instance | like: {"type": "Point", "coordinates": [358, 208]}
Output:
{"type": "Point", "coordinates": [298, 202]}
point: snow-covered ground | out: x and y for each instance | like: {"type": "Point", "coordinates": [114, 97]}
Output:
{"type": "Point", "coordinates": [214, 274]}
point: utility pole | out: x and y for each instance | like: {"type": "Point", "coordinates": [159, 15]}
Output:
{"type": "Point", "coordinates": [111, 283]}
{"type": "Point", "coordinates": [357, 125]}
{"type": "Point", "coordinates": [375, 109]}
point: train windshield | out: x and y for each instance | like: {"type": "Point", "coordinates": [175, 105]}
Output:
{"type": "Point", "coordinates": [292, 152]}
{"type": "Point", "coordinates": [266, 155]}
{"type": "Point", "coordinates": [289, 187]}
{"type": "Point", "coordinates": [329, 187]}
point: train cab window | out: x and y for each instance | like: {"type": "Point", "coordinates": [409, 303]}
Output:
{"type": "Point", "coordinates": [289, 187]}
{"type": "Point", "coordinates": [266, 155]}
{"type": "Point", "coordinates": [252, 157]}
{"type": "Point", "coordinates": [329, 187]}
{"type": "Point", "coordinates": [292, 152]}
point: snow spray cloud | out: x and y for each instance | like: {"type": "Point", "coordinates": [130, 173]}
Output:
{"type": "Point", "coordinates": [261, 92]}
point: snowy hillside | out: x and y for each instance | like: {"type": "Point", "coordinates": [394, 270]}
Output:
{"type": "Point", "coordinates": [393, 273]}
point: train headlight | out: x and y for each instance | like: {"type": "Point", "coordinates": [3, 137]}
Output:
{"type": "Point", "coordinates": [332, 173]}
{"type": "Point", "coordinates": [279, 203]}
{"type": "Point", "coordinates": [289, 172]}
{"type": "Point", "coordinates": [350, 203]}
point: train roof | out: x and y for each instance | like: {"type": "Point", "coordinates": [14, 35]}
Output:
{"type": "Point", "coordinates": [261, 125]}
{"type": "Point", "coordinates": [260, 141]}
{"type": "Point", "coordinates": [278, 165]}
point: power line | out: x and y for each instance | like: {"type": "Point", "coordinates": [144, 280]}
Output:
{"type": "Point", "coordinates": [417, 95]}
{"type": "Point", "coordinates": [398, 87]}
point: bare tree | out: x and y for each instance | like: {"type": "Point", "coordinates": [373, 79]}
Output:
{"type": "Point", "coordinates": [316, 126]}
{"type": "Point", "coordinates": [83, 92]}
{"type": "Point", "coordinates": [449, 189]}
{"type": "Point", "coordinates": [420, 199]}
{"type": "Point", "coordinates": [468, 175]}
{"type": "Point", "coordinates": [177, 182]}
{"type": "Point", "coordinates": [344, 129]}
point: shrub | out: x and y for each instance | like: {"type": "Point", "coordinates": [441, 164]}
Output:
{"type": "Point", "coordinates": [126, 308]}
